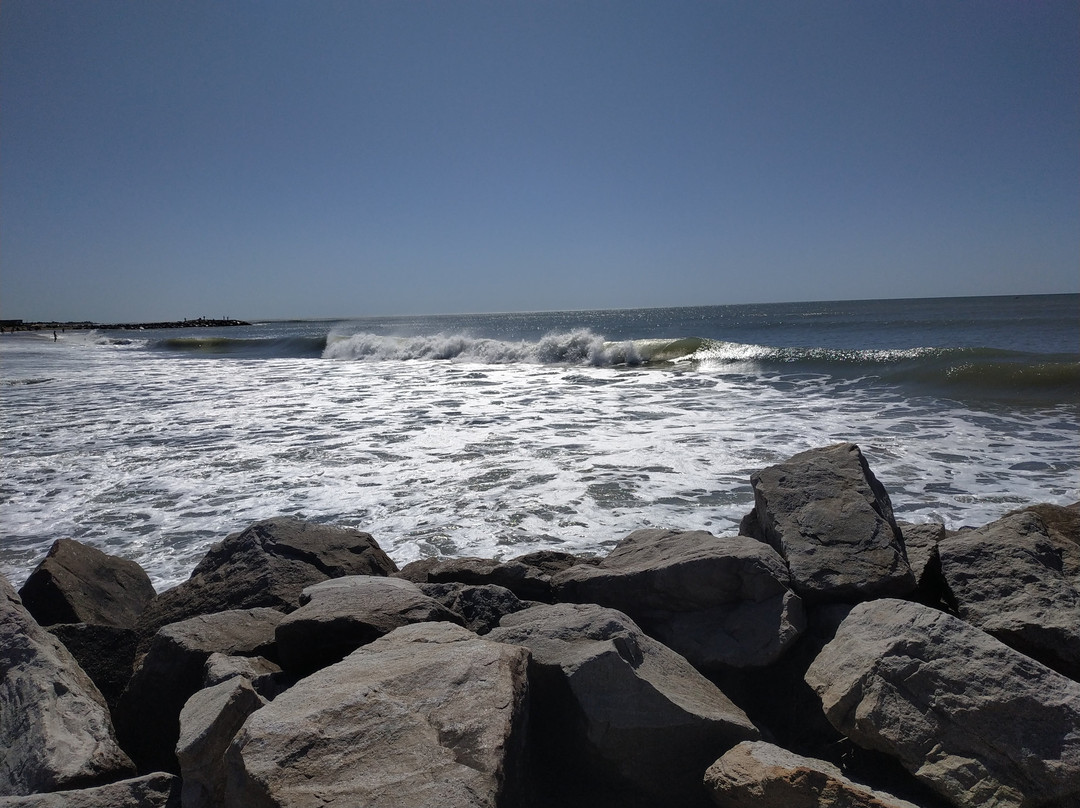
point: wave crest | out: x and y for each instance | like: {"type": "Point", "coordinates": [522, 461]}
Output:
{"type": "Point", "coordinates": [570, 348]}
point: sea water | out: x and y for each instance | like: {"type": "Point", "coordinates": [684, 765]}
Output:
{"type": "Point", "coordinates": [498, 434]}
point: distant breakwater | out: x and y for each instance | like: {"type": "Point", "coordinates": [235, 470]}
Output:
{"type": "Point", "coordinates": [86, 325]}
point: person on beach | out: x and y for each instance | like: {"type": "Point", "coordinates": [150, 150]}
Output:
{"type": "Point", "coordinates": [54, 335]}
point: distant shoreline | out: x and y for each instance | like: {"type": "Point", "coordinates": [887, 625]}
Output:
{"type": "Point", "coordinates": [11, 326]}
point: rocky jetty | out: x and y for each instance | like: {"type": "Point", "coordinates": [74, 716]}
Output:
{"type": "Point", "coordinates": [827, 656]}
{"type": "Point", "coordinates": [85, 325]}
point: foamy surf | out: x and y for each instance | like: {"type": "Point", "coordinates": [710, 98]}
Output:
{"type": "Point", "coordinates": [497, 435]}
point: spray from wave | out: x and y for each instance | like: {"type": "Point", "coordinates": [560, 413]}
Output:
{"type": "Point", "coordinates": [580, 347]}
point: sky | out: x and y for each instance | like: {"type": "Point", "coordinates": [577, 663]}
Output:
{"type": "Point", "coordinates": [162, 160]}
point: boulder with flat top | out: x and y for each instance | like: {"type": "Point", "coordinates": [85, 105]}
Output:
{"type": "Point", "coordinates": [429, 715]}
{"type": "Point", "coordinates": [721, 602]}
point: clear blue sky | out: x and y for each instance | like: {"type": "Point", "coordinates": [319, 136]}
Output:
{"type": "Point", "coordinates": [331, 159]}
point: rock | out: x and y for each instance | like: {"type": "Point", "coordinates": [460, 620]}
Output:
{"type": "Point", "coordinates": [978, 722]}
{"type": "Point", "coordinates": [76, 583]}
{"type": "Point", "coordinates": [826, 513]}
{"type": "Point", "coordinates": [417, 571]}
{"type": "Point", "coordinates": [1007, 579]}
{"type": "Point", "coordinates": [527, 576]}
{"type": "Point", "coordinates": [263, 675]}
{"type": "Point", "coordinates": [55, 729]}
{"type": "Point", "coordinates": [920, 542]}
{"type": "Point", "coordinates": [148, 716]}
{"type": "Point", "coordinates": [720, 602]}
{"type": "Point", "coordinates": [105, 653]}
{"type": "Point", "coordinates": [617, 713]}
{"type": "Point", "coordinates": [267, 564]}
{"type": "Point", "coordinates": [481, 607]}
{"type": "Point", "coordinates": [1063, 528]}
{"type": "Point", "coordinates": [756, 774]}
{"type": "Point", "coordinates": [341, 614]}
{"type": "Point", "coordinates": [208, 723]}
{"type": "Point", "coordinates": [429, 715]}
{"type": "Point", "coordinates": [157, 790]}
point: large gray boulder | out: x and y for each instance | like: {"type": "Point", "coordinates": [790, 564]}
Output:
{"type": "Point", "coordinates": [616, 713]}
{"type": "Point", "coordinates": [826, 513]}
{"type": "Point", "coordinates": [341, 614]}
{"type": "Point", "coordinates": [55, 729]}
{"type": "Point", "coordinates": [157, 790]}
{"type": "Point", "coordinates": [978, 722]}
{"type": "Point", "coordinates": [758, 774]}
{"type": "Point", "coordinates": [1007, 578]}
{"type": "Point", "coordinates": [77, 583]}
{"type": "Point", "coordinates": [720, 602]}
{"type": "Point", "coordinates": [429, 715]}
{"type": "Point", "coordinates": [208, 723]}
{"type": "Point", "coordinates": [267, 564]}
{"type": "Point", "coordinates": [148, 716]}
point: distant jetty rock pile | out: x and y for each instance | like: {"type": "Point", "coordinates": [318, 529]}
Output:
{"type": "Point", "coordinates": [11, 326]}
{"type": "Point", "coordinates": [826, 656]}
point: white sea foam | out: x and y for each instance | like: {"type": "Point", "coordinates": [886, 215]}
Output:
{"type": "Point", "coordinates": [156, 459]}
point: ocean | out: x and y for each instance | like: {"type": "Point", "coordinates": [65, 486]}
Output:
{"type": "Point", "coordinates": [498, 434]}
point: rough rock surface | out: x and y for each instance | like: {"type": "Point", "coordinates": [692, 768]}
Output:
{"type": "Point", "coordinates": [1007, 578]}
{"type": "Point", "coordinates": [341, 614]}
{"type": "Point", "coordinates": [157, 790]}
{"type": "Point", "coordinates": [76, 583]}
{"type": "Point", "coordinates": [720, 602]}
{"type": "Point", "coordinates": [527, 576]}
{"type": "Point", "coordinates": [429, 715]}
{"type": "Point", "coordinates": [263, 675]}
{"type": "Point", "coordinates": [267, 564]}
{"type": "Point", "coordinates": [105, 653]}
{"type": "Point", "coordinates": [826, 513]}
{"type": "Point", "coordinates": [1063, 527]}
{"type": "Point", "coordinates": [481, 606]}
{"type": "Point", "coordinates": [635, 717]}
{"type": "Point", "coordinates": [920, 542]}
{"type": "Point", "coordinates": [148, 716]}
{"type": "Point", "coordinates": [55, 729]}
{"type": "Point", "coordinates": [978, 722]}
{"type": "Point", "coordinates": [208, 723]}
{"type": "Point", "coordinates": [757, 774]}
